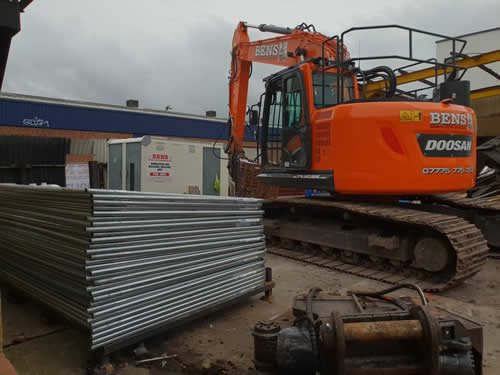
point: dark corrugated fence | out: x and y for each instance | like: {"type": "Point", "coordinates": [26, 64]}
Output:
{"type": "Point", "coordinates": [26, 160]}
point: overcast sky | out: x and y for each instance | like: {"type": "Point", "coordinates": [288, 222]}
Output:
{"type": "Point", "coordinates": [176, 53]}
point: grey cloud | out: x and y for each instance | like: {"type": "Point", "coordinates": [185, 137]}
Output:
{"type": "Point", "coordinates": [174, 53]}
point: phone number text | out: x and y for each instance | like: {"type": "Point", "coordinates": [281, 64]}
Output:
{"type": "Point", "coordinates": [447, 170]}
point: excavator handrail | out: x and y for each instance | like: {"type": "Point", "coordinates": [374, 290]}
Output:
{"type": "Point", "coordinates": [422, 74]}
{"type": "Point", "coordinates": [410, 57]}
{"type": "Point", "coordinates": [410, 30]}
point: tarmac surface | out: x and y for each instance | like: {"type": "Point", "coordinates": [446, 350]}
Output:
{"type": "Point", "coordinates": [38, 344]}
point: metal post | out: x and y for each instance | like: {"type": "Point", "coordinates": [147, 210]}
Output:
{"type": "Point", "coordinates": [411, 44]}
{"type": "Point", "coordinates": [132, 176]}
{"type": "Point", "coordinates": [269, 284]}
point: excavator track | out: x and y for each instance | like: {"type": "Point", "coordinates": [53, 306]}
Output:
{"type": "Point", "coordinates": [466, 240]}
{"type": "Point", "coordinates": [483, 212]}
{"type": "Point", "coordinates": [491, 205]}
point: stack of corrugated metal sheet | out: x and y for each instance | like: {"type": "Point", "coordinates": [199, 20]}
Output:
{"type": "Point", "coordinates": [127, 263]}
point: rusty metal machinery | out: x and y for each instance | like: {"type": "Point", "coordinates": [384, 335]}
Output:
{"type": "Point", "coordinates": [265, 334]}
{"type": "Point", "coordinates": [371, 334]}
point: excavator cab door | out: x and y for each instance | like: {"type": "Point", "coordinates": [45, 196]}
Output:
{"type": "Point", "coordinates": [286, 131]}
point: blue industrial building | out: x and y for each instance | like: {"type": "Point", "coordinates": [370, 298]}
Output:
{"type": "Point", "coordinates": [30, 112]}
{"type": "Point", "coordinates": [34, 129]}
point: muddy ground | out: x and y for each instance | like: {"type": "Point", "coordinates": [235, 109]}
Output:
{"type": "Point", "coordinates": [221, 343]}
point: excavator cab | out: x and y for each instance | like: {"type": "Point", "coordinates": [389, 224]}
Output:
{"type": "Point", "coordinates": [286, 115]}
{"type": "Point", "coordinates": [286, 123]}
{"type": "Point", "coordinates": [285, 142]}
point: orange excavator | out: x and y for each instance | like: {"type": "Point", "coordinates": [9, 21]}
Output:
{"type": "Point", "coordinates": [381, 155]}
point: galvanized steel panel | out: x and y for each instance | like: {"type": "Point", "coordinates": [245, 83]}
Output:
{"type": "Point", "coordinates": [124, 263]}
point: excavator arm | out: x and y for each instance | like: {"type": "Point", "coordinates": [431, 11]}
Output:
{"type": "Point", "coordinates": [290, 48]}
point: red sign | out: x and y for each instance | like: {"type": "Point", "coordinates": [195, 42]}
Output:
{"type": "Point", "coordinates": [160, 157]}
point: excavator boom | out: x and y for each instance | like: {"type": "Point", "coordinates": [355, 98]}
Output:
{"type": "Point", "coordinates": [286, 50]}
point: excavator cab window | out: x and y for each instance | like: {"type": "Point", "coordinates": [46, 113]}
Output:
{"type": "Point", "coordinates": [286, 131]}
{"type": "Point", "coordinates": [330, 89]}
{"type": "Point", "coordinates": [274, 121]}
{"type": "Point", "coordinates": [292, 109]}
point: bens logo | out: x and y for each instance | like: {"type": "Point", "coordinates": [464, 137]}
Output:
{"type": "Point", "coordinates": [450, 145]}
{"type": "Point", "coordinates": [280, 50]}
{"type": "Point", "coordinates": [448, 119]}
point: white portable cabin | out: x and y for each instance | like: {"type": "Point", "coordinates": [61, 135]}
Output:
{"type": "Point", "coordinates": [167, 165]}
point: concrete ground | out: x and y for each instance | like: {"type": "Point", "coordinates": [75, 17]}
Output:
{"type": "Point", "coordinates": [222, 343]}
